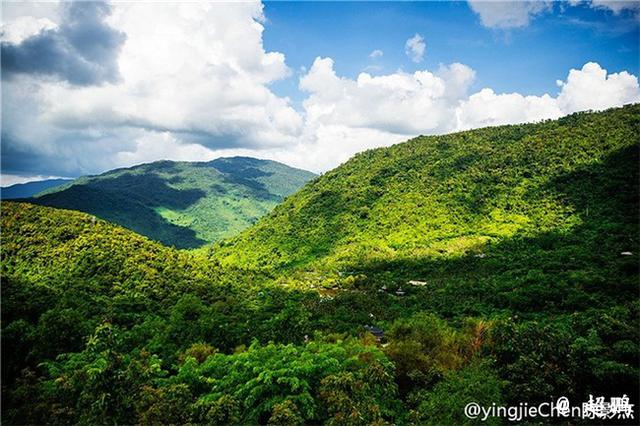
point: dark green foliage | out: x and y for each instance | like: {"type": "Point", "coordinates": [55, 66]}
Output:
{"type": "Point", "coordinates": [294, 384]}
{"type": "Point", "coordinates": [592, 352]}
{"type": "Point", "coordinates": [515, 235]}
{"type": "Point", "coordinates": [444, 405]}
{"type": "Point", "coordinates": [182, 204]}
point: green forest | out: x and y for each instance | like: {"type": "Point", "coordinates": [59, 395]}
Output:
{"type": "Point", "coordinates": [181, 204]}
{"type": "Point", "coordinates": [497, 265]}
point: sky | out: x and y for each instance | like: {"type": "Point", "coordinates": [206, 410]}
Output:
{"type": "Point", "coordinates": [91, 86]}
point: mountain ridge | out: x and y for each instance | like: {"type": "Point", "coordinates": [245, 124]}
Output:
{"type": "Point", "coordinates": [186, 204]}
{"type": "Point", "coordinates": [436, 195]}
{"type": "Point", "coordinates": [30, 189]}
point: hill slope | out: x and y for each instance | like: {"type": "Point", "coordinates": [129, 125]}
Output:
{"type": "Point", "coordinates": [182, 204]}
{"type": "Point", "coordinates": [93, 312]}
{"type": "Point", "coordinates": [528, 259]}
{"type": "Point", "coordinates": [440, 198]}
{"type": "Point", "coordinates": [29, 189]}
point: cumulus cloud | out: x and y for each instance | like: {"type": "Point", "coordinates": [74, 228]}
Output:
{"type": "Point", "coordinates": [415, 48]}
{"type": "Point", "coordinates": [486, 108]}
{"type": "Point", "coordinates": [344, 116]}
{"type": "Point", "coordinates": [82, 50]}
{"type": "Point", "coordinates": [197, 72]}
{"type": "Point", "coordinates": [592, 88]}
{"type": "Point", "coordinates": [426, 102]}
{"type": "Point", "coordinates": [399, 103]}
{"type": "Point", "coordinates": [589, 88]}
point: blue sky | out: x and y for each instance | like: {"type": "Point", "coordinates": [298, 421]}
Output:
{"type": "Point", "coordinates": [92, 86]}
{"type": "Point", "coordinates": [527, 59]}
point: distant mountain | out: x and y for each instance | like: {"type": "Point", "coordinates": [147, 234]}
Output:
{"type": "Point", "coordinates": [29, 189]}
{"type": "Point", "coordinates": [184, 204]}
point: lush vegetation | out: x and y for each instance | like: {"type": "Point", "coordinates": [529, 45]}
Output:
{"type": "Point", "coordinates": [443, 197]}
{"type": "Point", "coordinates": [524, 240]}
{"type": "Point", "coordinates": [182, 204]}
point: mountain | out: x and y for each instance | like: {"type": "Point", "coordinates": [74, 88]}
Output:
{"type": "Point", "coordinates": [183, 204]}
{"type": "Point", "coordinates": [29, 189]}
{"type": "Point", "coordinates": [497, 266]}
{"type": "Point", "coordinates": [564, 190]}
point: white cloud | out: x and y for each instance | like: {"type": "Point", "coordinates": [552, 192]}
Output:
{"type": "Point", "coordinates": [154, 146]}
{"type": "Point", "coordinates": [592, 88]}
{"type": "Point", "coordinates": [195, 85]}
{"type": "Point", "coordinates": [486, 108]}
{"type": "Point", "coordinates": [23, 27]}
{"type": "Point", "coordinates": [8, 179]}
{"type": "Point", "coordinates": [415, 47]}
{"type": "Point", "coordinates": [399, 103]}
{"type": "Point", "coordinates": [589, 88]}
{"type": "Point", "coordinates": [345, 116]}
{"type": "Point", "coordinates": [376, 54]}
{"type": "Point", "coordinates": [25, 11]}
{"type": "Point", "coordinates": [196, 70]}
{"type": "Point", "coordinates": [508, 14]}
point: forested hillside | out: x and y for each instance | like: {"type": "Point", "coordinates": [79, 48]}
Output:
{"type": "Point", "coordinates": [182, 204]}
{"type": "Point", "coordinates": [440, 198]}
{"type": "Point", "coordinates": [521, 244]}
{"type": "Point", "coordinates": [102, 325]}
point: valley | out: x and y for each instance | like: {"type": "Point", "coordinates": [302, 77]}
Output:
{"type": "Point", "coordinates": [495, 266]}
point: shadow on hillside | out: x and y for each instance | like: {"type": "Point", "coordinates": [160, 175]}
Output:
{"type": "Point", "coordinates": [588, 266]}
{"type": "Point", "coordinates": [130, 201]}
{"type": "Point", "coordinates": [245, 172]}
{"type": "Point", "coordinates": [604, 191]}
